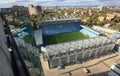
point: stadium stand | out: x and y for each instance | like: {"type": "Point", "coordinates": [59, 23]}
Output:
{"type": "Point", "coordinates": [115, 36]}
{"type": "Point", "coordinates": [38, 37]}
{"type": "Point", "coordinates": [60, 28]}
{"type": "Point", "coordinates": [75, 51]}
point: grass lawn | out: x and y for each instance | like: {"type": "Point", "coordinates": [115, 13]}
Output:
{"type": "Point", "coordinates": [63, 37]}
{"type": "Point", "coordinates": [29, 39]}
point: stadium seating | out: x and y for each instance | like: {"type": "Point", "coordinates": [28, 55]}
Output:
{"type": "Point", "coordinates": [89, 33]}
{"type": "Point", "coordinates": [60, 28]}
{"type": "Point", "coordinates": [66, 27]}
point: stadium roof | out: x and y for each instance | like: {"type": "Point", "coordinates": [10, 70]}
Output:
{"type": "Point", "coordinates": [58, 20]}
{"type": "Point", "coordinates": [80, 44]}
{"type": "Point", "coordinates": [38, 37]}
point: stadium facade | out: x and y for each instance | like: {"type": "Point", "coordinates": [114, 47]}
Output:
{"type": "Point", "coordinates": [73, 51]}
{"type": "Point", "coordinates": [77, 51]}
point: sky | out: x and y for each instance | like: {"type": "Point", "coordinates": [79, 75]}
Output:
{"type": "Point", "coordinates": [9, 3]}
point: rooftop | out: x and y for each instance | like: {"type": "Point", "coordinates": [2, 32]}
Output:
{"type": "Point", "coordinates": [38, 37]}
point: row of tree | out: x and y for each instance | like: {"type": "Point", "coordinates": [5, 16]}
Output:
{"type": "Point", "coordinates": [93, 20]}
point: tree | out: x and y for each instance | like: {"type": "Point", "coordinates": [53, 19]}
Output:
{"type": "Point", "coordinates": [100, 23]}
{"type": "Point", "coordinates": [116, 26]}
{"type": "Point", "coordinates": [39, 18]}
{"type": "Point", "coordinates": [116, 19]}
{"type": "Point", "coordinates": [89, 22]}
{"type": "Point", "coordinates": [16, 24]}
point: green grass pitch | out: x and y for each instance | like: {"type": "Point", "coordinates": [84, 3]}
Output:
{"type": "Point", "coordinates": [63, 37]}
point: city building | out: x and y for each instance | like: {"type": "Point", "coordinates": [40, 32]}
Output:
{"type": "Point", "coordinates": [9, 18]}
{"type": "Point", "coordinates": [11, 62]}
{"type": "Point", "coordinates": [39, 10]}
{"type": "Point", "coordinates": [19, 10]}
{"type": "Point", "coordinates": [5, 58]}
{"type": "Point", "coordinates": [106, 25]}
{"type": "Point", "coordinates": [114, 70]}
{"type": "Point", "coordinates": [117, 14]}
{"type": "Point", "coordinates": [103, 7]}
{"type": "Point", "coordinates": [101, 18]}
{"type": "Point", "coordinates": [66, 14]}
{"type": "Point", "coordinates": [34, 10]}
{"type": "Point", "coordinates": [90, 12]}
{"type": "Point", "coordinates": [104, 30]}
{"type": "Point", "coordinates": [110, 16]}
{"type": "Point", "coordinates": [85, 20]}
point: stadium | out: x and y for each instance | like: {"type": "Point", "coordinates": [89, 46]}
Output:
{"type": "Point", "coordinates": [65, 42]}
